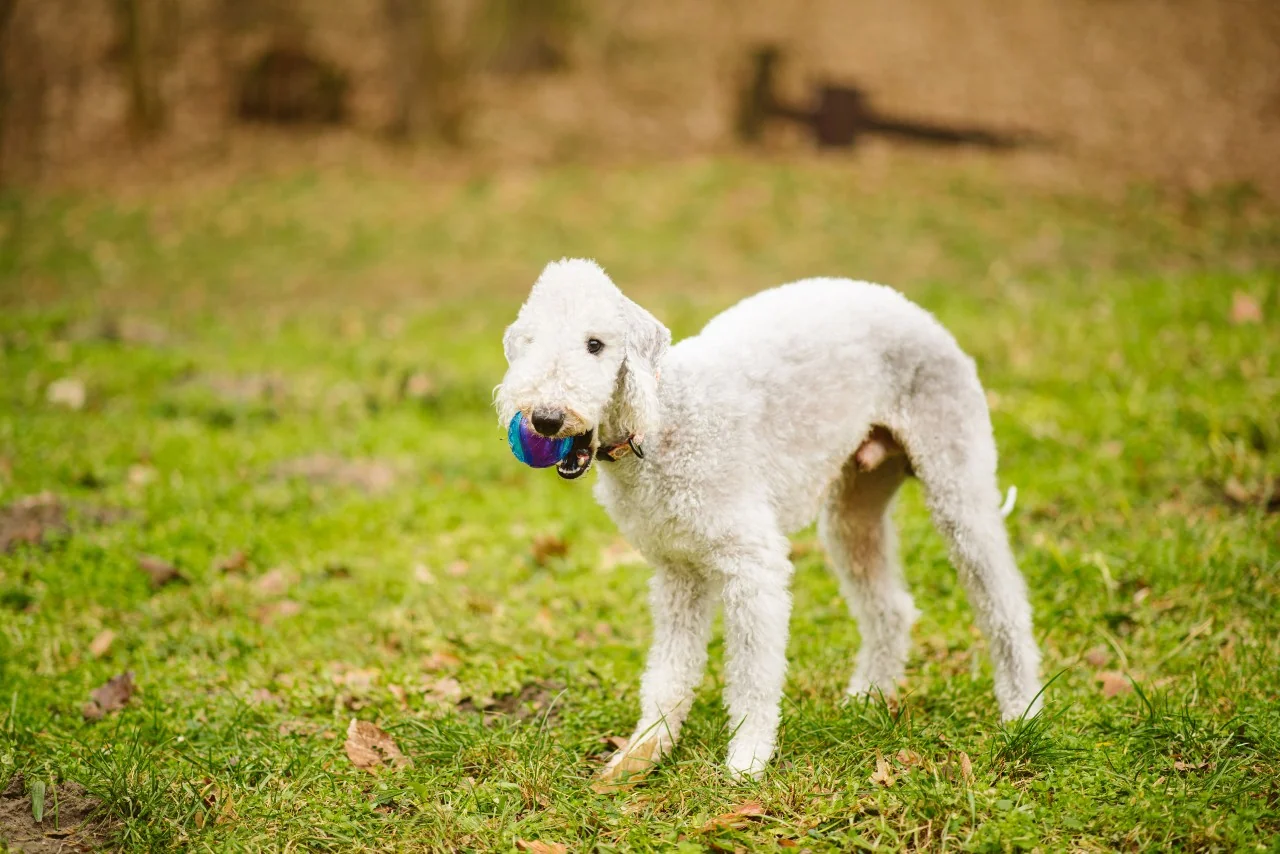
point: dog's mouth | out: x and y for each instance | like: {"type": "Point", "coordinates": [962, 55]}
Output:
{"type": "Point", "coordinates": [578, 460]}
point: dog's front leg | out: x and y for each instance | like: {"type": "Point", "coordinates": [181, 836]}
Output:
{"type": "Point", "coordinates": [757, 609]}
{"type": "Point", "coordinates": [682, 602]}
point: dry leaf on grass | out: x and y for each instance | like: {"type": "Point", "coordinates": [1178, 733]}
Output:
{"type": "Point", "coordinates": [160, 571]}
{"type": "Point", "coordinates": [402, 697]}
{"type": "Point", "coordinates": [1098, 656]}
{"type": "Point", "coordinates": [883, 775]}
{"type": "Point", "coordinates": [739, 816]}
{"type": "Point", "coordinates": [285, 608]}
{"type": "Point", "coordinates": [68, 392]}
{"type": "Point", "coordinates": [1245, 309]}
{"type": "Point", "coordinates": [966, 767]}
{"type": "Point", "coordinates": [910, 758]}
{"type": "Point", "coordinates": [1181, 766]}
{"type": "Point", "coordinates": [357, 679]}
{"type": "Point", "coordinates": [372, 476]}
{"type": "Point", "coordinates": [619, 553]}
{"type": "Point", "coordinates": [101, 643]}
{"type": "Point", "coordinates": [263, 697]}
{"type": "Point", "coordinates": [274, 582]}
{"type": "Point", "coordinates": [548, 546]}
{"type": "Point", "coordinates": [538, 847]}
{"type": "Point", "coordinates": [617, 741]}
{"type": "Point", "coordinates": [237, 561]}
{"type": "Point", "coordinates": [28, 519]}
{"type": "Point", "coordinates": [110, 697]}
{"type": "Point", "coordinates": [369, 747]}
{"type": "Point", "coordinates": [440, 660]}
{"type": "Point", "coordinates": [1114, 683]}
{"type": "Point", "coordinates": [444, 690]}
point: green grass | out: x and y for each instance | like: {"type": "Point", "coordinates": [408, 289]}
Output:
{"type": "Point", "coordinates": [224, 332]}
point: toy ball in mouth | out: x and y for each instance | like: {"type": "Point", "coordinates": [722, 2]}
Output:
{"type": "Point", "coordinates": [532, 448]}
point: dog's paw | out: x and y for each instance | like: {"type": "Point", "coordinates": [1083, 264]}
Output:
{"type": "Point", "coordinates": [745, 766]}
{"type": "Point", "coordinates": [863, 688]}
{"type": "Point", "coordinates": [629, 765]}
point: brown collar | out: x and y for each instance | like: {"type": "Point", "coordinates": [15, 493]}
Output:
{"type": "Point", "coordinates": [612, 453]}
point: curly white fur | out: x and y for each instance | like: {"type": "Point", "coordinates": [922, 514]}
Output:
{"type": "Point", "coordinates": [750, 435]}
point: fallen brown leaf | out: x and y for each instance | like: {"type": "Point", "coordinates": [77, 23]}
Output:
{"type": "Point", "coordinates": [402, 697]}
{"type": "Point", "coordinates": [619, 553]}
{"type": "Point", "coordinates": [263, 697]}
{"type": "Point", "coordinates": [443, 690]}
{"type": "Point", "coordinates": [440, 660]}
{"type": "Point", "coordinates": [274, 582]}
{"type": "Point", "coordinates": [160, 571]}
{"type": "Point", "coordinates": [739, 816]}
{"type": "Point", "coordinates": [548, 546]}
{"type": "Point", "coordinates": [1245, 309]}
{"type": "Point", "coordinates": [357, 679]}
{"type": "Point", "coordinates": [1181, 766]}
{"type": "Point", "coordinates": [237, 561]}
{"type": "Point", "coordinates": [1114, 683]}
{"type": "Point", "coordinates": [542, 847]}
{"type": "Point", "coordinates": [68, 392]}
{"type": "Point", "coordinates": [1098, 656]}
{"type": "Point", "coordinates": [109, 697]}
{"type": "Point", "coordinates": [544, 621]}
{"type": "Point", "coordinates": [617, 741]}
{"type": "Point", "coordinates": [539, 847]}
{"type": "Point", "coordinates": [28, 519]}
{"type": "Point", "coordinates": [101, 643]}
{"type": "Point", "coordinates": [372, 476]}
{"type": "Point", "coordinates": [966, 767]}
{"type": "Point", "coordinates": [883, 775]}
{"type": "Point", "coordinates": [909, 758]}
{"type": "Point", "coordinates": [285, 608]}
{"type": "Point", "coordinates": [369, 747]}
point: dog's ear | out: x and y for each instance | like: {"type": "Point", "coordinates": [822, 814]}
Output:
{"type": "Point", "coordinates": [508, 342]}
{"type": "Point", "coordinates": [646, 345]}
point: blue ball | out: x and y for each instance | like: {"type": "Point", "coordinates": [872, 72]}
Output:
{"type": "Point", "coordinates": [534, 449]}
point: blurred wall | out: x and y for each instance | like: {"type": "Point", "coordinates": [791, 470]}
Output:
{"type": "Point", "coordinates": [1182, 90]}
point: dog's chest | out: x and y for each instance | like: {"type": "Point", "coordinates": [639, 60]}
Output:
{"type": "Point", "coordinates": [665, 526]}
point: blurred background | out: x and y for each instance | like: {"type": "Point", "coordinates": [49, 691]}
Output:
{"type": "Point", "coordinates": [256, 257]}
{"type": "Point", "coordinates": [1186, 92]}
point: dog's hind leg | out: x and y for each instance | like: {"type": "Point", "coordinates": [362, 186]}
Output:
{"type": "Point", "coordinates": [857, 531]}
{"type": "Point", "coordinates": [682, 602]}
{"type": "Point", "coordinates": [949, 439]}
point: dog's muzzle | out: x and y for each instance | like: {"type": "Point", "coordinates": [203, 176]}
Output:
{"type": "Point", "coordinates": [578, 460]}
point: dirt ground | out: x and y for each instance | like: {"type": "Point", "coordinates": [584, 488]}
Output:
{"type": "Point", "coordinates": [66, 829]}
{"type": "Point", "coordinates": [1185, 92]}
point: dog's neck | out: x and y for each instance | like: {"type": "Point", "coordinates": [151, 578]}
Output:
{"type": "Point", "coordinates": [618, 438]}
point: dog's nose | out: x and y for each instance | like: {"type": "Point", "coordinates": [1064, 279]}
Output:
{"type": "Point", "coordinates": [548, 421]}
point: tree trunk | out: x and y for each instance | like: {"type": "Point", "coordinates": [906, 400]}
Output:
{"type": "Point", "coordinates": [146, 112]}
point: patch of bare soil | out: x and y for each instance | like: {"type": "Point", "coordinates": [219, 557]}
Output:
{"type": "Point", "coordinates": [372, 476]}
{"type": "Point", "coordinates": [532, 701]}
{"type": "Point", "coordinates": [66, 825]}
{"type": "Point", "coordinates": [33, 518]}
{"type": "Point", "coordinates": [29, 519]}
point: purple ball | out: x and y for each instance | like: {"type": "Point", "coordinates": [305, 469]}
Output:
{"type": "Point", "coordinates": [534, 449]}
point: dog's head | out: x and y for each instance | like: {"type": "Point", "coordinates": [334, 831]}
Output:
{"type": "Point", "coordinates": [582, 358]}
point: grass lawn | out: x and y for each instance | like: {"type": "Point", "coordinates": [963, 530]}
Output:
{"type": "Point", "coordinates": [279, 388]}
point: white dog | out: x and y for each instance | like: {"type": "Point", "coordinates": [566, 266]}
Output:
{"type": "Point", "coordinates": [787, 407]}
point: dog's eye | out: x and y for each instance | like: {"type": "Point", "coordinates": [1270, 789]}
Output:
{"type": "Point", "coordinates": [594, 345]}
